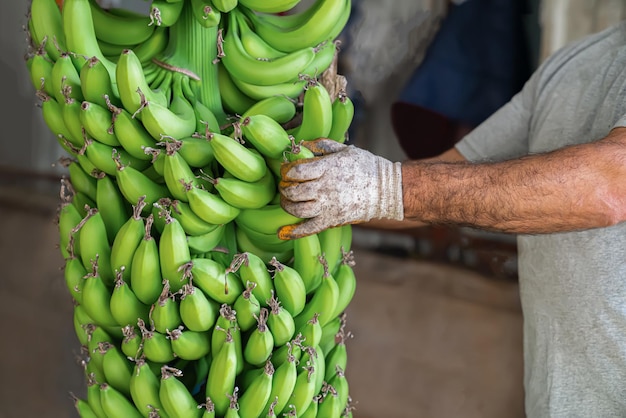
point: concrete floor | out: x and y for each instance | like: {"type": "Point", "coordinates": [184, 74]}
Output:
{"type": "Point", "coordinates": [430, 340]}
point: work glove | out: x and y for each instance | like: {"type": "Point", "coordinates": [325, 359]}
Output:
{"type": "Point", "coordinates": [341, 185]}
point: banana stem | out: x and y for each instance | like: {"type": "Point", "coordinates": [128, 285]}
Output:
{"type": "Point", "coordinates": [193, 48]}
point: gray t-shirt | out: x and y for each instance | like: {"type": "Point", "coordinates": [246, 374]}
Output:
{"type": "Point", "coordinates": [572, 285]}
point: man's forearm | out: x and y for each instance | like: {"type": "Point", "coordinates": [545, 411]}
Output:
{"type": "Point", "coordinates": [574, 188]}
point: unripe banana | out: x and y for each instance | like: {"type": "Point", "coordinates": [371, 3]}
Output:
{"type": "Point", "coordinates": [323, 302]}
{"type": "Point", "coordinates": [210, 207]}
{"type": "Point", "coordinates": [83, 408]}
{"type": "Point", "coordinates": [80, 180]}
{"type": "Point", "coordinates": [307, 261]}
{"type": "Point", "coordinates": [144, 389]}
{"type": "Point", "coordinates": [346, 282]}
{"type": "Point", "coordinates": [246, 195]}
{"type": "Point", "coordinates": [256, 396]}
{"type": "Point", "coordinates": [93, 396]}
{"type": "Point", "coordinates": [260, 343]}
{"type": "Point", "coordinates": [96, 84]}
{"type": "Point", "coordinates": [165, 13]}
{"type": "Point", "coordinates": [131, 80]}
{"type": "Point", "coordinates": [289, 350]}
{"type": "Point", "coordinates": [156, 347]}
{"type": "Point", "coordinates": [243, 163]}
{"type": "Point", "coordinates": [311, 331]}
{"type": "Point", "coordinates": [291, 89]}
{"type": "Point", "coordinates": [289, 286]}
{"type": "Point", "coordinates": [197, 312]}
{"type": "Point", "coordinates": [225, 6]}
{"type": "Point", "coordinates": [280, 322]}
{"type": "Point", "coordinates": [247, 307]}
{"type": "Point", "coordinates": [206, 13]}
{"type": "Point", "coordinates": [337, 357]}
{"type": "Point", "coordinates": [330, 245]}
{"type": "Point", "coordinates": [266, 134]}
{"type": "Point", "coordinates": [253, 43]}
{"type": "Point", "coordinates": [317, 113]}
{"type": "Point", "coordinates": [133, 184]}
{"type": "Point", "coordinates": [196, 151]}
{"type": "Point", "coordinates": [107, 158]}
{"type": "Point", "coordinates": [204, 243]}
{"type": "Point", "coordinates": [82, 324]}
{"type": "Point", "coordinates": [70, 109]}
{"type": "Point", "coordinates": [131, 344]}
{"type": "Point", "coordinates": [177, 173]}
{"type": "Point", "coordinates": [127, 240]}
{"type": "Point", "coordinates": [173, 253]}
{"type": "Point", "coordinates": [120, 30]}
{"type": "Point", "coordinates": [115, 404]}
{"type": "Point", "coordinates": [263, 245]}
{"type": "Point", "coordinates": [52, 112]}
{"type": "Point", "coordinates": [315, 357]}
{"type": "Point", "coordinates": [274, 6]}
{"type": "Point", "coordinates": [340, 383]}
{"type": "Point", "coordinates": [279, 108]}
{"type": "Point", "coordinates": [233, 99]}
{"type": "Point", "coordinates": [312, 410]}
{"type": "Point", "coordinates": [98, 122]}
{"type": "Point", "coordinates": [343, 113]}
{"type": "Point", "coordinates": [303, 391]}
{"type": "Point", "coordinates": [65, 79]}
{"type": "Point", "coordinates": [165, 313]}
{"type": "Point", "coordinates": [175, 397]}
{"type": "Point", "coordinates": [117, 368]}
{"type": "Point", "coordinates": [126, 308]}
{"type": "Point", "coordinates": [267, 219]}
{"type": "Point", "coordinates": [130, 133]}
{"type": "Point", "coordinates": [96, 299]}
{"type": "Point", "coordinates": [216, 281]}
{"type": "Point", "coordinates": [190, 345]}
{"type": "Point", "coordinates": [233, 406]}
{"type": "Point", "coordinates": [111, 205]}
{"type": "Point", "coordinates": [82, 204]}
{"type": "Point", "coordinates": [252, 269]}
{"type": "Point", "coordinates": [46, 25]}
{"type": "Point", "coordinates": [74, 274]}
{"type": "Point", "coordinates": [96, 335]}
{"type": "Point", "coordinates": [147, 282]}
{"type": "Point", "coordinates": [245, 67]}
{"type": "Point", "coordinates": [324, 57]}
{"type": "Point", "coordinates": [40, 72]}
{"type": "Point", "coordinates": [283, 384]}
{"type": "Point", "coordinates": [222, 375]}
{"type": "Point", "coordinates": [227, 320]}
{"type": "Point", "coordinates": [330, 331]}
{"type": "Point", "coordinates": [209, 408]}
{"type": "Point", "coordinates": [67, 221]}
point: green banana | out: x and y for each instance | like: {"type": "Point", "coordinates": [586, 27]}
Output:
{"type": "Point", "coordinates": [70, 109]}
{"type": "Point", "coordinates": [164, 13]}
{"type": "Point", "coordinates": [303, 391]}
{"type": "Point", "coordinates": [125, 307]}
{"type": "Point", "coordinates": [324, 57]}
{"type": "Point", "coordinates": [204, 243]}
{"type": "Point", "coordinates": [330, 245]}
{"type": "Point", "coordinates": [175, 397]}
{"type": "Point", "coordinates": [156, 346]}
{"type": "Point", "coordinates": [198, 152]}
{"type": "Point", "coordinates": [233, 99]}
{"type": "Point", "coordinates": [96, 83]}
{"type": "Point", "coordinates": [117, 368]}
{"type": "Point", "coordinates": [291, 349]}
{"type": "Point", "coordinates": [253, 44]}
{"type": "Point", "coordinates": [197, 312]}
{"type": "Point", "coordinates": [266, 134]}
{"type": "Point", "coordinates": [80, 35]}
{"type": "Point", "coordinates": [131, 344]}
{"type": "Point", "coordinates": [246, 195]}
{"type": "Point", "coordinates": [242, 162]}
{"type": "Point", "coordinates": [267, 219]}
{"type": "Point", "coordinates": [209, 408]}
{"type": "Point", "coordinates": [81, 181]}
{"type": "Point", "coordinates": [177, 173]}
{"type": "Point", "coordinates": [311, 331]}
{"type": "Point", "coordinates": [96, 335]}
{"type": "Point", "coordinates": [98, 123]}
{"type": "Point", "coordinates": [190, 345]}
{"type": "Point", "coordinates": [329, 333]}
{"type": "Point", "coordinates": [82, 324]}
{"type": "Point", "coordinates": [323, 302]}
{"type": "Point", "coordinates": [52, 112]}
{"type": "Point", "coordinates": [147, 282]}
{"type": "Point", "coordinates": [173, 253]}
{"type": "Point", "coordinates": [153, 46]}
{"type": "Point", "coordinates": [307, 261]}
{"type": "Point", "coordinates": [337, 357]}
{"type": "Point", "coordinates": [340, 383]}
{"type": "Point", "coordinates": [252, 269]}
{"type": "Point", "coordinates": [247, 307]}
{"type": "Point", "coordinates": [312, 409]}
{"type": "Point", "coordinates": [127, 240]}
{"type": "Point", "coordinates": [215, 280]}
{"type": "Point", "coordinates": [222, 375]}
{"type": "Point", "coordinates": [321, 21]}
{"type": "Point", "coordinates": [94, 246]}
{"type": "Point", "coordinates": [46, 25]}
{"type": "Point", "coordinates": [210, 207]}
{"type": "Point", "coordinates": [112, 206]}
{"type": "Point", "coordinates": [246, 244]}
{"type": "Point", "coordinates": [130, 133]}
{"type": "Point", "coordinates": [343, 113]}
{"type": "Point", "coordinates": [317, 113]}
{"type": "Point", "coordinates": [74, 274]}
{"type": "Point", "coordinates": [191, 223]}
{"type": "Point", "coordinates": [120, 30]}
{"type": "Point", "coordinates": [260, 343]}
{"type": "Point", "coordinates": [144, 389]}
{"type": "Point", "coordinates": [107, 158]}
{"type": "Point", "coordinates": [280, 322]}
{"type": "Point", "coordinates": [116, 404]}
{"type": "Point", "coordinates": [131, 81]}
{"type": "Point", "coordinates": [346, 282]}
{"type": "Point", "coordinates": [290, 289]}
{"type": "Point", "coordinates": [96, 299]}
{"type": "Point", "coordinates": [279, 108]}
{"type": "Point", "coordinates": [253, 400]}
{"type": "Point", "coordinates": [135, 185]}
{"type": "Point", "coordinates": [265, 71]}
{"type": "Point", "coordinates": [176, 119]}
{"type": "Point", "coordinates": [284, 382]}
{"type": "Point", "coordinates": [225, 6]}
{"type": "Point", "coordinates": [93, 396]}
{"type": "Point", "coordinates": [270, 6]}
{"type": "Point", "coordinates": [291, 89]}
{"type": "Point", "coordinates": [206, 13]}
{"type": "Point", "coordinates": [165, 313]}
{"type": "Point", "coordinates": [40, 72]}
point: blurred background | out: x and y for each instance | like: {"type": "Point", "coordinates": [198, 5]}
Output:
{"type": "Point", "coordinates": [436, 319]}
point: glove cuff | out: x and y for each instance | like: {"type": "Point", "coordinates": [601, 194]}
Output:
{"type": "Point", "coordinates": [390, 204]}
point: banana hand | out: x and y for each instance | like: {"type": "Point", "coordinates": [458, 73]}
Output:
{"type": "Point", "coordinates": [341, 185]}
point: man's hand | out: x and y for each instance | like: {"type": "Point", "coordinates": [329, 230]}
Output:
{"type": "Point", "coordinates": [342, 185]}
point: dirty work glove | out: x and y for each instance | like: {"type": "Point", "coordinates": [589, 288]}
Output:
{"type": "Point", "coordinates": [343, 184]}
